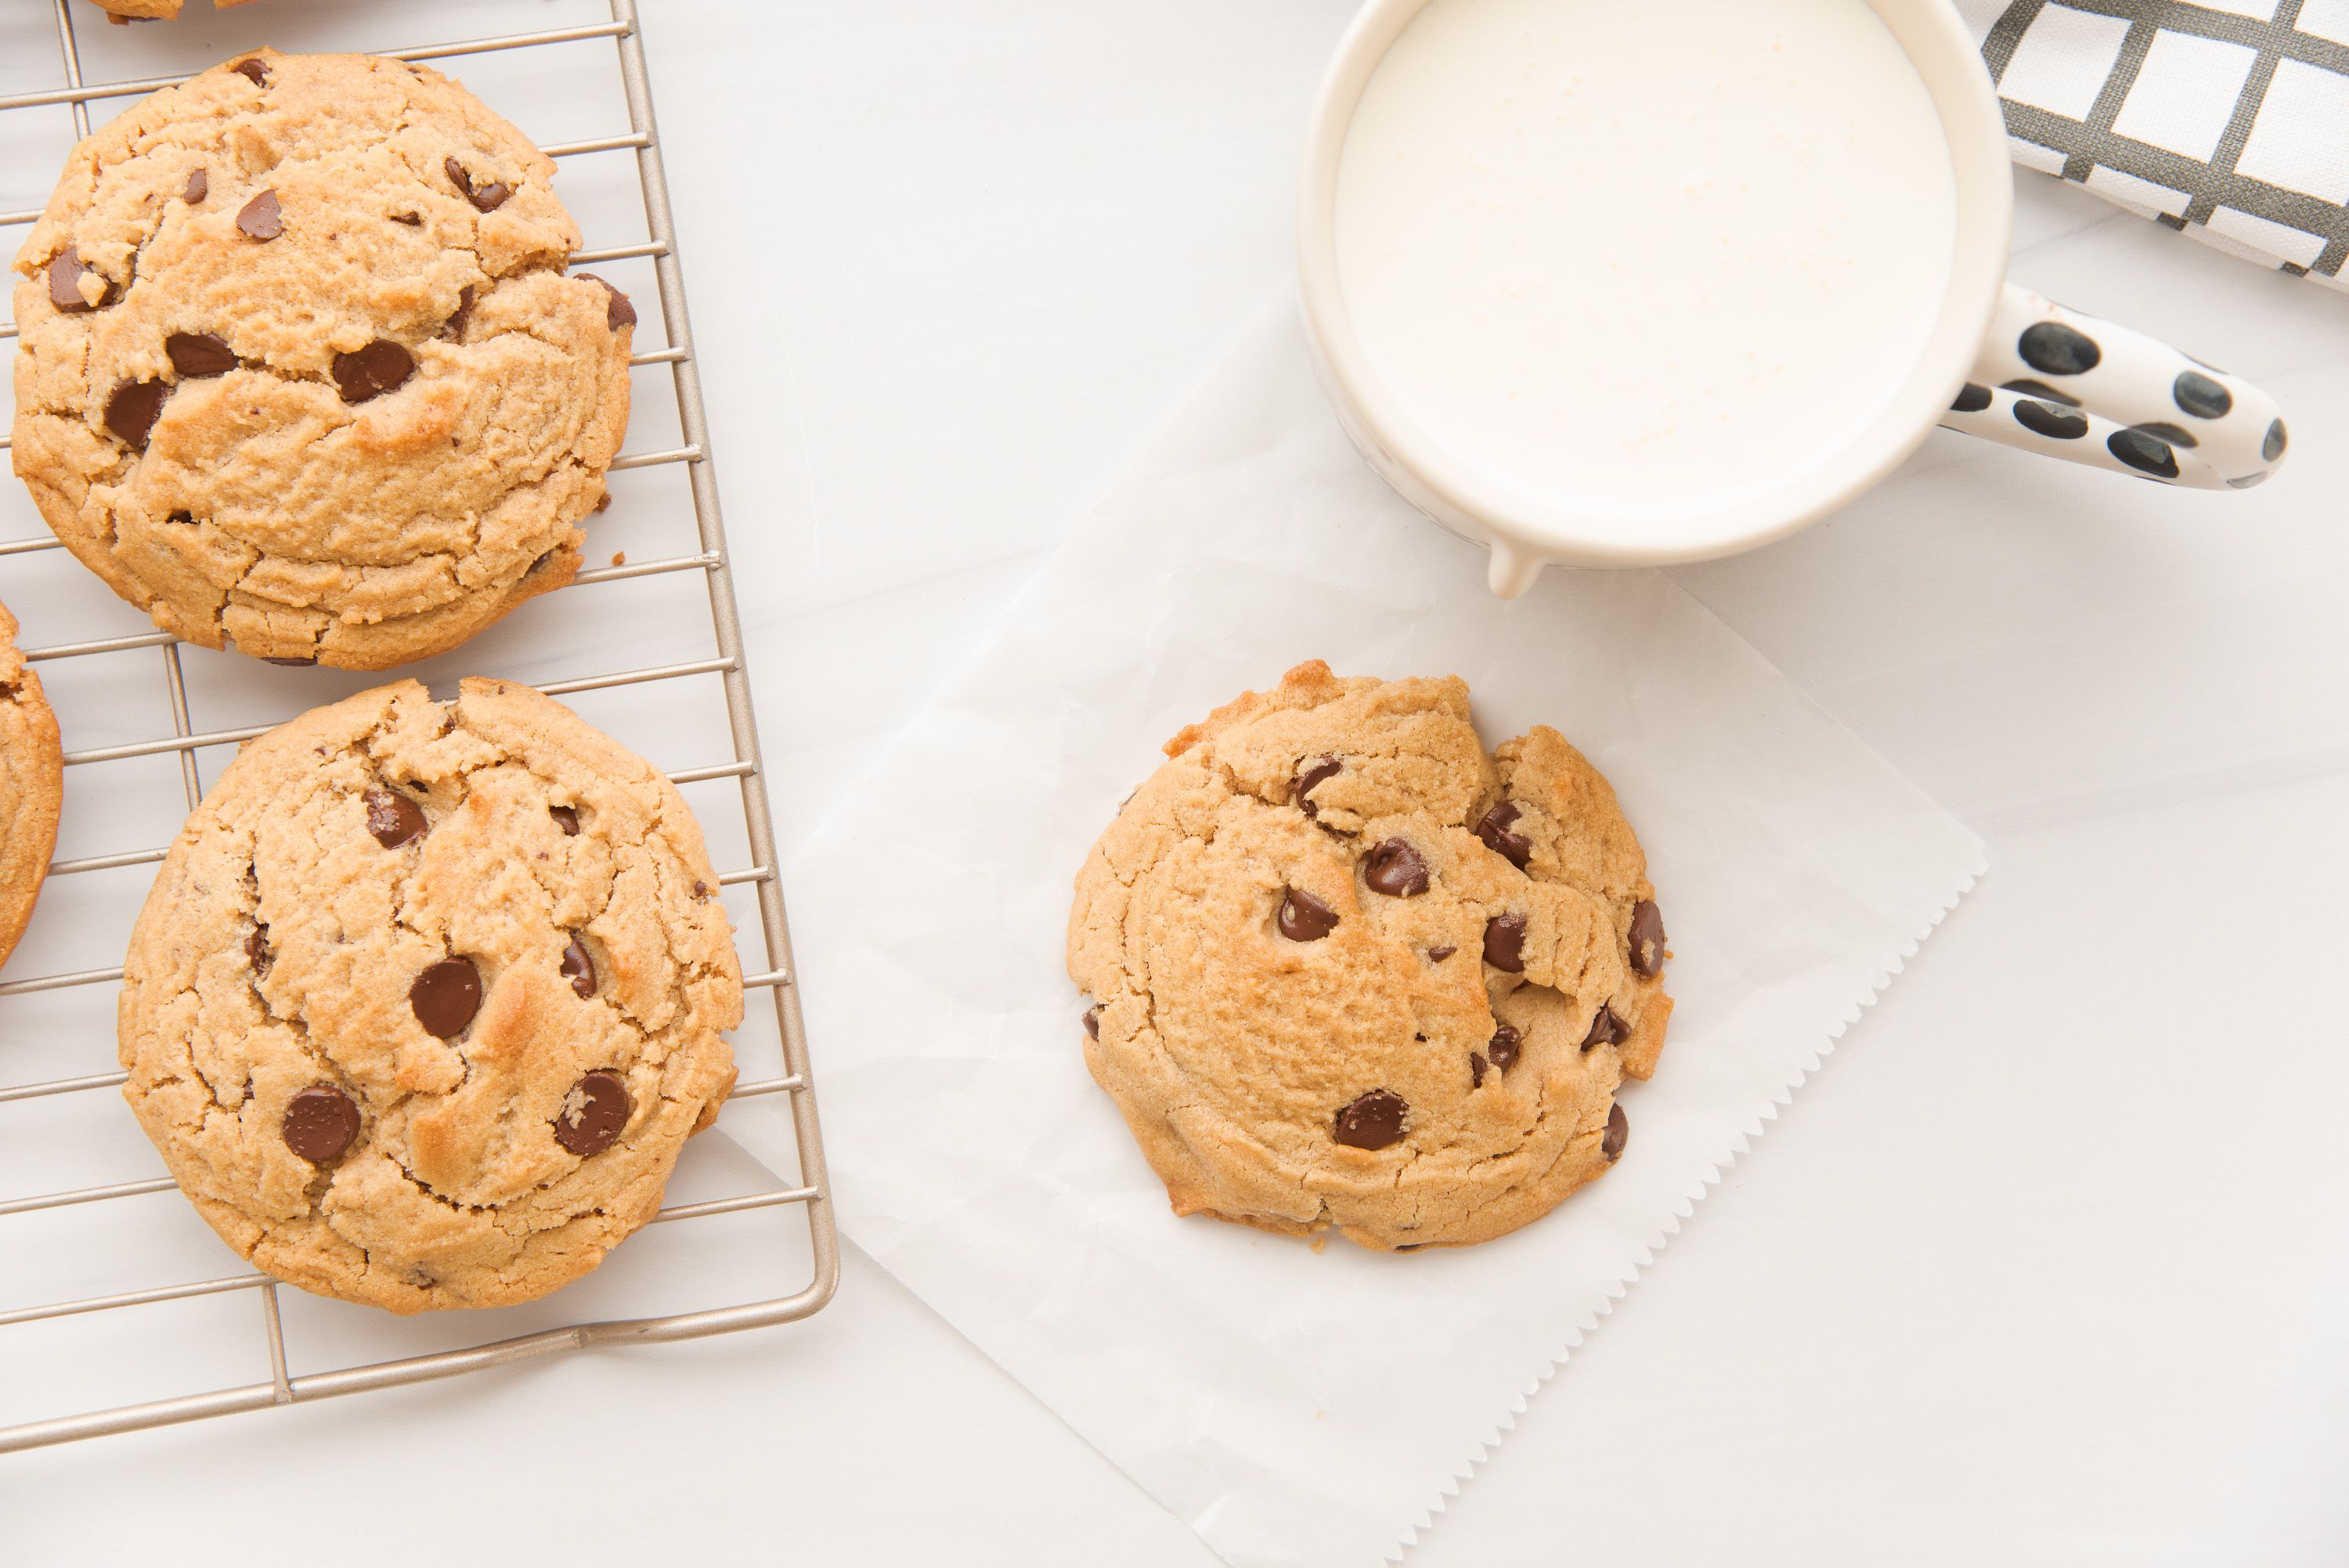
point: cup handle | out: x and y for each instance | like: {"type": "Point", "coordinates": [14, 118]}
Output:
{"type": "Point", "coordinates": [2054, 381]}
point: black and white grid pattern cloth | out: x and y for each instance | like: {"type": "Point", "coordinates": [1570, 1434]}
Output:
{"type": "Point", "coordinates": [2226, 118]}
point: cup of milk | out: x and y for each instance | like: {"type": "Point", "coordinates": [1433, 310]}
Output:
{"type": "Point", "coordinates": [1615, 283]}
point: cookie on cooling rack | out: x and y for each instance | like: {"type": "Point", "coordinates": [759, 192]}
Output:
{"type": "Point", "coordinates": [151, 10]}
{"type": "Point", "coordinates": [32, 786]}
{"type": "Point", "coordinates": [301, 372]}
{"type": "Point", "coordinates": [1351, 970]}
{"type": "Point", "coordinates": [428, 996]}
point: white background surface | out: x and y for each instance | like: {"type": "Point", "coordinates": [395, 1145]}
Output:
{"type": "Point", "coordinates": [2050, 1265]}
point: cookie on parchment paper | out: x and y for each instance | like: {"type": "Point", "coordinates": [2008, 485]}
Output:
{"type": "Point", "coordinates": [32, 786]}
{"type": "Point", "coordinates": [300, 370]}
{"type": "Point", "coordinates": [1353, 971]}
{"type": "Point", "coordinates": [427, 997]}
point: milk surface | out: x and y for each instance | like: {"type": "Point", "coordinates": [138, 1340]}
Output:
{"type": "Point", "coordinates": [1646, 255]}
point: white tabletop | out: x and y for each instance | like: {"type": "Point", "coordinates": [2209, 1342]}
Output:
{"type": "Point", "coordinates": [2051, 1264]}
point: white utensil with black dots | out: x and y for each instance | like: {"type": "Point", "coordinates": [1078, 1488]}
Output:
{"type": "Point", "coordinates": [1583, 279]}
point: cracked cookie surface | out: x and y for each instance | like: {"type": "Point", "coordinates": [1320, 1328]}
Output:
{"type": "Point", "coordinates": [427, 997]}
{"type": "Point", "coordinates": [32, 786]}
{"type": "Point", "coordinates": [300, 370]}
{"type": "Point", "coordinates": [1350, 970]}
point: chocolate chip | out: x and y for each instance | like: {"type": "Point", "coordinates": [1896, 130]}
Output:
{"type": "Point", "coordinates": [700, 890]}
{"type": "Point", "coordinates": [373, 370]}
{"type": "Point", "coordinates": [455, 326]}
{"type": "Point", "coordinates": [252, 72]}
{"type": "Point", "coordinates": [592, 1114]}
{"type": "Point", "coordinates": [259, 219]}
{"type": "Point", "coordinates": [1374, 1120]}
{"type": "Point", "coordinates": [319, 1123]}
{"type": "Point", "coordinates": [200, 185]}
{"type": "Point", "coordinates": [411, 219]}
{"type": "Point", "coordinates": [66, 270]}
{"type": "Point", "coordinates": [1505, 943]}
{"type": "Point", "coordinates": [1303, 917]}
{"type": "Point", "coordinates": [1306, 777]}
{"type": "Point", "coordinates": [445, 996]}
{"type": "Point", "coordinates": [617, 312]}
{"type": "Point", "coordinates": [392, 817]}
{"type": "Point", "coordinates": [133, 410]}
{"type": "Point", "coordinates": [200, 354]}
{"type": "Point", "coordinates": [1396, 870]}
{"type": "Point", "coordinates": [1647, 937]}
{"type": "Point", "coordinates": [1477, 1067]}
{"type": "Point", "coordinates": [578, 968]}
{"type": "Point", "coordinates": [566, 819]}
{"type": "Point", "coordinates": [488, 196]}
{"type": "Point", "coordinates": [256, 950]}
{"type": "Point", "coordinates": [1503, 1046]}
{"type": "Point", "coordinates": [266, 659]}
{"type": "Point", "coordinates": [1495, 830]}
{"type": "Point", "coordinates": [1617, 1133]}
{"type": "Point", "coordinates": [1092, 1020]}
{"type": "Point", "coordinates": [1606, 1029]}
{"type": "Point", "coordinates": [1438, 954]}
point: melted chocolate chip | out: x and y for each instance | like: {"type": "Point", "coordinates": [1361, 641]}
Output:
{"type": "Point", "coordinates": [200, 185]}
{"type": "Point", "coordinates": [578, 968]}
{"type": "Point", "coordinates": [566, 819]}
{"type": "Point", "coordinates": [392, 817]}
{"type": "Point", "coordinates": [320, 1122]}
{"type": "Point", "coordinates": [617, 312]}
{"type": "Point", "coordinates": [252, 72]}
{"type": "Point", "coordinates": [1505, 1046]}
{"type": "Point", "coordinates": [1092, 1020]}
{"type": "Point", "coordinates": [1438, 954]}
{"type": "Point", "coordinates": [1396, 870]}
{"type": "Point", "coordinates": [1303, 917]}
{"type": "Point", "coordinates": [133, 410]}
{"type": "Point", "coordinates": [488, 196]}
{"type": "Point", "coordinates": [592, 1114]}
{"type": "Point", "coordinates": [1374, 1120]}
{"type": "Point", "coordinates": [66, 270]}
{"type": "Point", "coordinates": [1326, 769]}
{"type": "Point", "coordinates": [1477, 1067]}
{"type": "Point", "coordinates": [445, 996]}
{"type": "Point", "coordinates": [259, 219]}
{"type": "Point", "coordinates": [1606, 1029]}
{"type": "Point", "coordinates": [1505, 943]}
{"type": "Point", "coordinates": [373, 371]}
{"type": "Point", "coordinates": [1617, 1134]}
{"type": "Point", "coordinates": [455, 326]}
{"type": "Point", "coordinates": [266, 659]}
{"type": "Point", "coordinates": [1647, 937]}
{"type": "Point", "coordinates": [197, 354]}
{"type": "Point", "coordinates": [1495, 830]}
{"type": "Point", "coordinates": [256, 950]}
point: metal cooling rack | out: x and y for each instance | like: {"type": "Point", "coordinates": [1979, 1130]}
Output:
{"type": "Point", "coordinates": [810, 1194]}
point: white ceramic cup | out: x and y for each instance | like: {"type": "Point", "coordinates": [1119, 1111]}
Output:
{"type": "Point", "coordinates": [1999, 363]}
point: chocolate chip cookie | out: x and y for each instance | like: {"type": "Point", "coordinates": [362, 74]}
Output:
{"type": "Point", "coordinates": [151, 10]}
{"type": "Point", "coordinates": [301, 371]}
{"type": "Point", "coordinates": [1351, 970]}
{"type": "Point", "coordinates": [32, 786]}
{"type": "Point", "coordinates": [428, 996]}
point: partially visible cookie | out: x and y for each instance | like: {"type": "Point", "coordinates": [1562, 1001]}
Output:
{"type": "Point", "coordinates": [300, 370]}
{"type": "Point", "coordinates": [1351, 970]}
{"type": "Point", "coordinates": [32, 786]}
{"type": "Point", "coordinates": [428, 996]}
{"type": "Point", "coordinates": [149, 10]}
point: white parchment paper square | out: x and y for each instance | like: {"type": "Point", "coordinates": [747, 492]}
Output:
{"type": "Point", "coordinates": [1297, 1406]}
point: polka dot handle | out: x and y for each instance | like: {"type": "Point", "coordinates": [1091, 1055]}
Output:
{"type": "Point", "coordinates": [2070, 386]}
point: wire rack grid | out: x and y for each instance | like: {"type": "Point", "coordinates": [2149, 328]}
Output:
{"type": "Point", "coordinates": [809, 1192]}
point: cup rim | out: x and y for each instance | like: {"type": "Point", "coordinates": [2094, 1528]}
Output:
{"type": "Point", "coordinates": [1934, 37]}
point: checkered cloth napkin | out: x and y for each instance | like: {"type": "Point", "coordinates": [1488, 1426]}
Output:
{"type": "Point", "coordinates": [2227, 118]}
